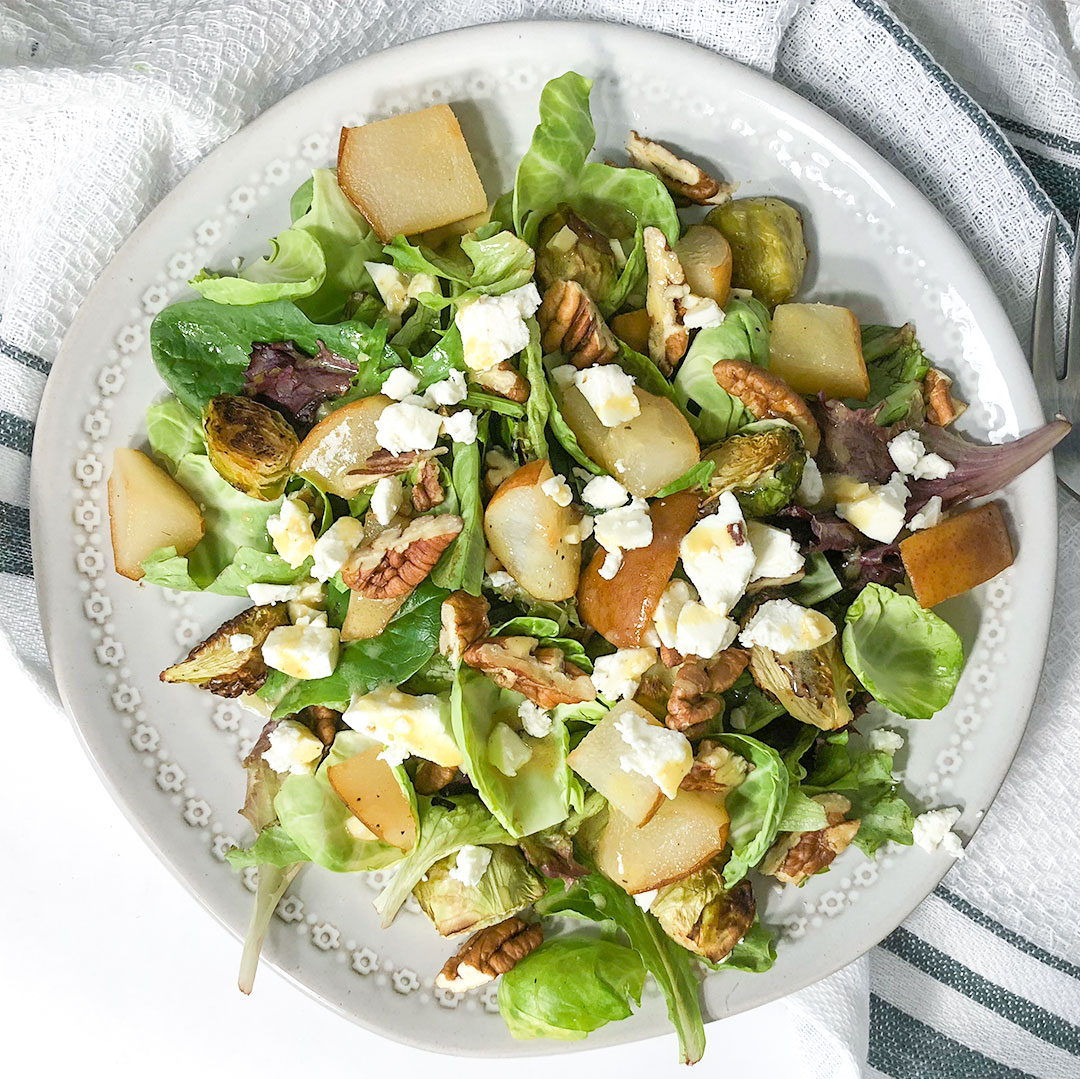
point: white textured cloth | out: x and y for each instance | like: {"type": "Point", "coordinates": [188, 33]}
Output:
{"type": "Point", "coordinates": [105, 104]}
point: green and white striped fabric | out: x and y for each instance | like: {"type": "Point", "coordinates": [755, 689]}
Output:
{"type": "Point", "coordinates": [976, 101]}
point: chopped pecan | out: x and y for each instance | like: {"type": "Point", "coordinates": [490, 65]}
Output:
{"type": "Point", "coordinates": [504, 381]}
{"type": "Point", "coordinates": [489, 953]}
{"type": "Point", "coordinates": [323, 721]}
{"type": "Point", "coordinates": [941, 407]}
{"type": "Point", "coordinates": [384, 463]}
{"type": "Point", "coordinates": [427, 492]}
{"type": "Point", "coordinates": [397, 559]}
{"type": "Point", "coordinates": [798, 855]}
{"type": "Point", "coordinates": [685, 180]}
{"type": "Point", "coordinates": [464, 622]}
{"type": "Point", "coordinates": [571, 324]}
{"type": "Point", "coordinates": [716, 769]}
{"type": "Point", "coordinates": [431, 777]}
{"type": "Point", "coordinates": [667, 288]}
{"type": "Point", "coordinates": [498, 466]}
{"type": "Point", "coordinates": [693, 701]}
{"type": "Point", "coordinates": [766, 395]}
{"type": "Point", "coordinates": [216, 667]}
{"type": "Point", "coordinates": [541, 674]}
{"type": "Point", "coordinates": [669, 657]}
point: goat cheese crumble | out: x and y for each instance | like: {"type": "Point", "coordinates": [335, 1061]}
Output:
{"type": "Point", "coordinates": [293, 748]}
{"type": "Point", "coordinates": [493, 327]}
{"type": "Point", "coordinates": [654, 751]}
{"type": "Point", "coordinates": [610, 393]}
{"type": "Point", "coordinates": [786, 627]}
{"type": "Point", "coordinates": [334, 546]}
{"type": "Point", "coordinates": [471, 865]}
{"type": "Point", "coordinates": [933, 831]}
{"type": "Point", "coordinates": [617, 675]}
{"type": "Point", "coordinates": [291, 532]}
{"type": "Point", "coordinates": [717, 555]}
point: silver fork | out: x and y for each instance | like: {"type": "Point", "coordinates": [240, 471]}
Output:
{"type": "Point", "coordinates": [1059, 389]}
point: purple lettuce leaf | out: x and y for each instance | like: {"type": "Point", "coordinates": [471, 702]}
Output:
{"type": "Point", "coordinates": [821, 531]}
{"type": "Point", "coordinates": [298, 383]}
{"type": "Point", "coordinates": [880, 564]}
{"type": "Point", "coordinates": [980, 470]}
{"type": "Point", "coordinates": [853, 443]}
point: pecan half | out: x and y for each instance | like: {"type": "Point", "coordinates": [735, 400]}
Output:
{"type": "Point", "coordinates": [503, 381]}
{"type": "Point", "coordinates": [667, 288]}
{"type": "Point", "coordinates": [397, 559]}
{"type": "Point", "coordinates": [489, 953]}
{"type": "Point", "coordinates": [384, 463]}
{"type": "Point", "coordinates": [571, 324]}
{"type": "Point", "coordinates": [941, 407]}
{"type": "Point", "coordinates": [464, 622]}
{"type": "Point", "coordinates": [685, 180]}
{"type": "Point", "coordinates": [693, 701]}
{"type": "Point", "coordinates": [541, 674]}
{"type": "Point", "coordinates": [431, 777]}
{"type": "Point", "coordinates": [427, 492]}
{"type": "Point", "coordinates": [798, 855]}
{"type": "Point", "coordinates": [766, 395]}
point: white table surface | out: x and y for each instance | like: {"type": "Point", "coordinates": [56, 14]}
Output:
{"type": "Point", "coordinates": [109, 966]}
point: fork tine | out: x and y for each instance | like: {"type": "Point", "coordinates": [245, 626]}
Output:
{"type": "Point", "coordinates": [1043, 358]}
{"type": "Point", "coordinates": [1072, 325]}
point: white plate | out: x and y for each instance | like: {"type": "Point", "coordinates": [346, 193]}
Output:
{"type": "Point", "coordinates": [171, 755]}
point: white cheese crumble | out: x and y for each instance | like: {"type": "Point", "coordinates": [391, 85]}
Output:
{"type": "Point", "coordinates": [461, 426]}
{"type": "Point", "coordinates": [293, 748]}
{"type": "Point", "coordinates": [400, 383]}
{"type": "Point", "coordinates": [605, 493]}
{"type": "Point", "coordinates": [264, 594]}
{"type": "Point", "coordinates": [406, 725]}
{"type": "Point", "coordinates": [718, 557]}
{"type": "Point", "coordinates": [471, 865]}
{"type": "Point", "coordinates": [558, 490]}
{"type": "Point", "coordinates": [392, 285]}
{"type": "Point", "coordinates": [910, 457]}
{"type": "Point", "coordinates": [646, 899]}
{"type": "Point", "coordinates": [776, 554]}
{"type": "Point", "coordinates": [406, 426]}
{"type": "Point", "coordinates": [302, 651]}
{"type": "Point", "coordinates": [624, 529]}
{"type": "Point", "coordinates": [500, 467]}
{"type": "Point", "coordinates": [386, 499]}
{"type": "Point", "coordinates": [580, 532]}
{"type": "Point", "coordinates": [450, 391]}
{"type": "Point", "coordinates": [700, 312]}
{"type": "Point", "coordinates": [786, 627]}
{"type": "Point", "coordinates": [617, 676]}
{"type": "Point", "coordinates": [500, 580]}
{"type": "Point", "coordinates": [290, 529]}
{"type": "Point", "coordinates": [876, 510]}
{"type": "Point", "coordinates": [536, 720]}
{"type": "Point", "coordinates": [885, 741]}
{"type": "Point", "coordinates": [933, 831]}
{"type": "Point", "coordinates": [659, 754]}
{"type": "Point", "coordinates": [307, 602]}
{"type": "Point", "coordinates": [811, 489]}
{"type": "Point", "coordinates": [493, 327]}
{"type": "Point", "coordinates": [610, 393]}
{"type": "Point", "coordinates": [928, 516]}
{"type": "Point", "coordinates": [666, 616]}
{"type": "Point", "coordinates": [241, 642]}
{"type": "Point", "coordinates": [701, 632]}
{"type": "Point", "coordinates": [563, 375]}
{"type": "Point", "coordinates": [334, 546]}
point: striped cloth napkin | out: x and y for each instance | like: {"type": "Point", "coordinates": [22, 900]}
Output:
{"type": "Point", "coordinates": [104, 106]}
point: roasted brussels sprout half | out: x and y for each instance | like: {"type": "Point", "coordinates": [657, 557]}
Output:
{"type": "Point", "coordinates": [701, 915]}
{"type": "Point", "coordinates": [507, 886]}
{"type": "Point", "coordinates": [762, 464]}
{"type": "Point", "coordinates": [570, 249]}
{"type": "Point", "coordinates": [768, 255]}
{"type": "Point", "coordinates": [250, 445]}
{"type": "Point", "coordinates": [814, 685]}
{"type": "Point", "coordinates": [217, 666]}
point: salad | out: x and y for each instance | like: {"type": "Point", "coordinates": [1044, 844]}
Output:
{"type": "Point", "coordinates": [574, 549]}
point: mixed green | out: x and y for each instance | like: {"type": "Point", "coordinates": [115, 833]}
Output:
{"type": "Point", "coordinates": [576, 550]}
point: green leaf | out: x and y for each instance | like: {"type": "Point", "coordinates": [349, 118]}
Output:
{"type": "Point", "coordinates": [743, 335]}
{"type": "Point", "coordinates": [569, 987]}
{"type": "Point", "coordinates": [801, 813]}
{"type": "Point", "coordinates": [446, 356]}
{"type": "Point", "coordinates": [300, 200]}
{"type": "Point", "coordinates": [407, 643]}
{"type": "Point", "coordinates": [646, 374]}
{"type": "Point", "coordinates": [538, 405]}
{"type": "Point", "coordinates": [295, 267]}
{"type": "Point", "coordinates": [907, 657]}
{"type": "Point", "coordinates": [819, 583]}
{"type": "Point", "coordinates": [445, 826]}
{"type": "Point", "coordinates": [564, 435]}
{"type": "Point", "coordinates": [747, 708]}
{"type": "Point", "coordinates": [314, 816]}
{"type": "Point", "coordinates": [599, 899]}
{"type": "Point", "coordinates": [696, 476]}
{"type": "Point", "coordinates": [896, 366]}
{"type": "Point", "coordinates": [537, 797]}
{"type": "Point", "coordinates": [482, 264]}
{"type": "Point", "coordinates": [202, 348]}
{"type": "Point", "coordinates": [173, 432]}
{"type": "Point", "coordinates": [882, 818]}
{"type": "Point", "coordinates": [755, 806]}
{"type": "Point", "coordinates": [462, 565]}
{"type": "Point", "coordinates": [527, 626]}
{"type": "Point", "coordinates": [272, 846]}
{"type": "Point", "coordinates": [755, 953]}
